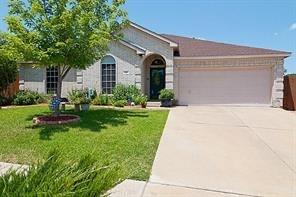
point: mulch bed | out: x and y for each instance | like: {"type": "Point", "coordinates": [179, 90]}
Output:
{"type": "Point", "coordinates": [56, 120]}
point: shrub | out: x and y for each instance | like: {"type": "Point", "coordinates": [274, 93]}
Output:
{"type": "Point", "coordinates": [55, 177]}
{"type": "Point", "coordinates": [3, 101]}
{"type": "Point", "coordinates": [42, 98]}
{"type": "Point", "coordinates": [166, 94]}
{"type": "Point", "coordinates": [75, 96]}
{"type": "Point", "coordinates": [119, 92]}
{"type": "Point", "coordinates": [120, 103]}
{"type": "Point", "coordinates": [8, 71]}
{"type": "Point", "coordinates": [85, 100]}
{"type": "Point", "coordinates": [28, 97]}
{"type": "Point", "coordinates": [94, 95]}
{"type": "Point", "coordinates": [125, 92]}
{"type": "Point", "coordinates": [140, 100]}
{"type": "Point", "coordinates": [102, 99]}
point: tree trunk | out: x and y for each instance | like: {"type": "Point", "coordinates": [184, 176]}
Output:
{"type": "Point", "coordinates": [59, 83]}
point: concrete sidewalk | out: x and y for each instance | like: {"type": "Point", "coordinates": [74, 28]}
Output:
{"type": "Point", "coordinates": [5, 167]}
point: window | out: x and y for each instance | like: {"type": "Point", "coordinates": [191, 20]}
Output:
{"type": "Point", "coordinates": [51, 80]}
{"type": "Point", "coordinates": [108, 74]}
{"type": "Point", "coordinates": [158, 62]}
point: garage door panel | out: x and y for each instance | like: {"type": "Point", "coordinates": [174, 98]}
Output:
{"type": "Point", "coordinates": [252, 86]}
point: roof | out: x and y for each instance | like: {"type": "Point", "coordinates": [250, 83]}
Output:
{"type": "Point", "coordinates": [191, 47]}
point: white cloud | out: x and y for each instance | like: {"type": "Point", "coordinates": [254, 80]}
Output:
{"type": "Point", "coordinates": [201, 38]}
{"type": "Point", "coordinates": [293, 26]}
{"type": "Point", "coordinates": [275, 34]}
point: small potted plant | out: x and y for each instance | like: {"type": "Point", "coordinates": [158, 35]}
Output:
{"type": "Point", "coordinates": [75, 97]}
{"type": "Point", "coordinates": [166, 97]}
{"type": "Point", "coordinates": [143, 101]}
{"type": "Point", "coordinates": [84, 103]}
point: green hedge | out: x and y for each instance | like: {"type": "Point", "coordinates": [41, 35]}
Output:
{"type": "Point", "coordinates": [125, 92]}
{"type": "Point", "coordinates": [28, 97]}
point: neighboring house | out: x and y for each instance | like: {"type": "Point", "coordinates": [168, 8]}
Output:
{"type": "Point", "coordinates": [199, 71]}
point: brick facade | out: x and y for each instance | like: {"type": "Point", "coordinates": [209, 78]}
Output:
{"type": "Point", "coordinates": [132, 69]}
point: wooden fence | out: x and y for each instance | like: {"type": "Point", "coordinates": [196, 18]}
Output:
{"type": "Point", "coordinates": [12, 89]}
{"type": "Point", "coordinates": [289, 102]}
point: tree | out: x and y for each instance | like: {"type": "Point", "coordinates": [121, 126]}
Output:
{"type": "Point", "coordinates": [64, 34]}
{"type": "Point", "coordinates": [8, 63]}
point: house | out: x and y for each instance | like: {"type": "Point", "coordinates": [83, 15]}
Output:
{"type": "Point", "coordinates": [199, 71]}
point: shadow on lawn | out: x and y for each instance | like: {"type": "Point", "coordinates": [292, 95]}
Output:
{"type": "Point", "coordinates": [93, 120]}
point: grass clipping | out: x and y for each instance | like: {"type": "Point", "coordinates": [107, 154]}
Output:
{"type": "Point", "coordinates": [57, 177]}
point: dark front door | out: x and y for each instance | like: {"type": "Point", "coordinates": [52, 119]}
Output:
{"type": "Point", "coordinates": [157, 81]}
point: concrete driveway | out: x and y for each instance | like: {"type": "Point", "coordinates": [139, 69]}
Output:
{"type": "Point", "coordinates": [226, 151]}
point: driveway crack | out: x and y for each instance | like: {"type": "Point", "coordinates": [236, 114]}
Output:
{"type": "Point", "coordinates": [204, 189]}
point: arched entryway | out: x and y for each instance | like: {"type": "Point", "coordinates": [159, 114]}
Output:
{"type": "Point", "coordinates": [154, 75]}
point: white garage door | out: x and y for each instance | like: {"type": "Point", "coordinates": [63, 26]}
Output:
{"type": "Point", "coordinates": [225, 86]}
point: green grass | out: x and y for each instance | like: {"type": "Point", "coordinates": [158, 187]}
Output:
{"type": "Point", "coordinates": [57, 177]}
{"type": "Point", "coordinates": [126, 138]}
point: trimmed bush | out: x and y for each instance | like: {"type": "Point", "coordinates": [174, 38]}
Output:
{"type": "Point", "coordinates": [28, 97]}
{"type": "Point", "coordinates": [120, 103]}
{"type": "Point", "coordinates": [125, 92]}
{"type": "Point", "coordinates": [102, 99]}
{"type": "Point", "coordinates": [55, 177]}
{"type": "Point", "coordinates": [140, 100]}
{"type": "Point", "coordinates": [166, 94]}
{"type": "Point", "coordinates": [75, 96]}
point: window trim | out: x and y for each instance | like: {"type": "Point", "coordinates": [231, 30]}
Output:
{"type": "Point", "coordinates": [53, 90]}
{"type": "Point", "coordinates": [108, 81]}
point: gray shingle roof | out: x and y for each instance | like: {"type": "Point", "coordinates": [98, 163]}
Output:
{"type": "Point", "coordinates": [191, 47]}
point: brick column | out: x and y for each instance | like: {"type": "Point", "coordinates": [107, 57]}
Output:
{"type": "Point", "coordinates": [79, 79]}
{"type": "Point", "coordinates": [169, 77]}
{"type": "Point", "coordinates": [138, 78]}
{"type": "Point", "coordinates": [278, 84]}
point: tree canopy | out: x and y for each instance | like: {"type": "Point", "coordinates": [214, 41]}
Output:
{"type": "Point", "coordinates": [8, 63]}
{"type": "Point", "coordinates": [64, 33]}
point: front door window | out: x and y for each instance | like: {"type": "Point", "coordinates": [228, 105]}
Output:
{"type": "Point", "coordinates": [157, 81]}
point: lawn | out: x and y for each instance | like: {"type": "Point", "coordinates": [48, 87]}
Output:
{"type": "Point", "coordinates": [128, 138]}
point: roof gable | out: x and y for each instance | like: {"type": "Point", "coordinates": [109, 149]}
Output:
{"type": "Point", "coordinates": [195, 48]}
{"type": "Point", "coordinates": [156, 35]}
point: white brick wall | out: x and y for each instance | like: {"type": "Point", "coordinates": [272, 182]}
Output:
{"type": "Point", "coordinates": [153, 46]}
{"type": "Point", "coordinates": [127, 61]}
{"type": "Point", "coordinates": [131, 69]}
{"type": "Point", "coordinates": [35, 79]}
{"type": "Point", "coordinates": [278, 84]}
{"type": "Point", "coordinates": [32, 78]}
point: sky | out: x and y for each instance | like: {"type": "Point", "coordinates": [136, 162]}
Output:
{"type": "Point", "coordinates": [258, 23]}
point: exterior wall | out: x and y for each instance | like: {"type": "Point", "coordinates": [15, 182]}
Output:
{"type": "Point", "coordinates": [131, 68]}
{"type": "Point", "coordinates": [32, 78]}
{"type": "Point", "coordinates": [69, 83]}
{"type": "Point", "coordinates": [127, 61]}
{"type": "Point", "coordinates": [276, 63]}
{"type": "Point", "coordinates": [278, 84]}
{"type": "Point", "coordinates": [153, 46]}
{"type": "Point", "coordinates": [35, 79]}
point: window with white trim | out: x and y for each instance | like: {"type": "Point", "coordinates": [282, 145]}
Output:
{"type": "Point", "coordinates": [108, 74]}
{"type": "Point", "coordinates": [51, 80]}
